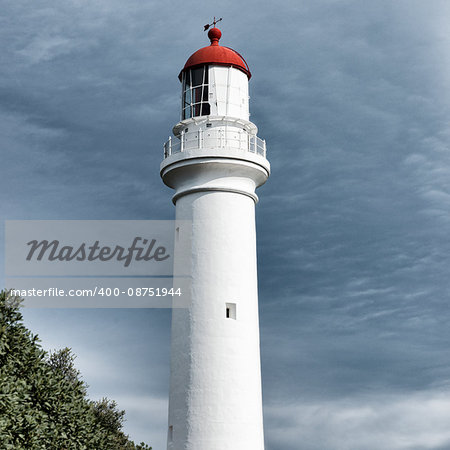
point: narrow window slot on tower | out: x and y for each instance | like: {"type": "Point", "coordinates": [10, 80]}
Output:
{"type": "Point", "coordinates": [170, 433]}
{"type": "Point", "coordinates": [230, 311]}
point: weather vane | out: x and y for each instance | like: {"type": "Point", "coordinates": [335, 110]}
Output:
{"type": "Point", "coordinates": [214, 23]}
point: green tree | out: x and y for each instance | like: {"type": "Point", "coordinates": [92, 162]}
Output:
{"type": "Point", "coordinates": [43, 402]}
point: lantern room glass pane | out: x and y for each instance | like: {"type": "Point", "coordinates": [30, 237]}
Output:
{"type": "Point", "coordinates": [206, 109]}
{"type": "Point", "coordinates": [187, 97]}
{"type": "Point", "coordinates": [197, 76]}
{"type": "Point", "coordinates": [187, 76]}
{"type": "Point", "coordinates": [197, 94]}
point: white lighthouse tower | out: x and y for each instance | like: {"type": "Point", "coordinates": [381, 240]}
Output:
{"type": "Point", "coordinates": [214, 163]}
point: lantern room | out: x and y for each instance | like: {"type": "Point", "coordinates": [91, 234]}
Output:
{"type": "Point", "coordinates": [215, 82]}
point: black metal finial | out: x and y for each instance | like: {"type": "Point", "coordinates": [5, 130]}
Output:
{"type": "Point", "coordinates": [212, 24]}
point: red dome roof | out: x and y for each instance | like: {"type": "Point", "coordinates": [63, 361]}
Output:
{"type": "Point", "coordinates": [215, 54]}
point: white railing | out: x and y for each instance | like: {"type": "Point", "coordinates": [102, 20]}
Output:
{"type": "Point", "coordinates": [199, 139]}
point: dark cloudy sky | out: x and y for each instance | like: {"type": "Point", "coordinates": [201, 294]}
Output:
{"type": "Point", "coordinates": [353, 224]}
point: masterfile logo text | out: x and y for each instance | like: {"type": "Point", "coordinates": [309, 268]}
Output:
{"type": "Point", "coordinates": [84, 252]}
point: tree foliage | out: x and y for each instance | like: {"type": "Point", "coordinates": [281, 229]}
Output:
{"type": "Point", "coordinates": [43, 403]}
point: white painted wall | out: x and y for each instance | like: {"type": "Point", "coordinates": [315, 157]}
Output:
{"type": "Point", "coordinates": [215, 394]}
{"type": "Point", "coordinates": [228, 92]}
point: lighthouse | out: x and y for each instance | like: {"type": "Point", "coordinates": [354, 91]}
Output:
{"type": "Point", "coordinates": [214, 162]}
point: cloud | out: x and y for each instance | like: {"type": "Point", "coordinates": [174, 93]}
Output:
{"type": "Point", "coordinates": [418, 420]}
{"type": "Point", "coordinates": [46, 48]}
